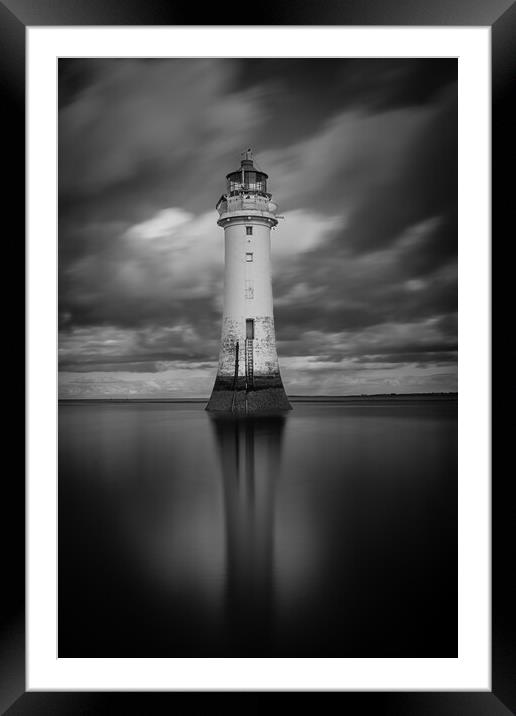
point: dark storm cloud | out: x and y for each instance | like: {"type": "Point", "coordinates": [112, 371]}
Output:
{"type": "Point", "coordinates": [333, 87]}
{"type": "Point", "coordinates": [424, 186]}
{"type": "Point", "coordinates": [151, 364]}
{"type": "Point", "coordinates": [388, 171]}
{"type": "Point", "coordinates": [75, 76]}
{"type": "Point", "coordinates": [151, 125]}
{"type": "Point", "coordinates": [349, 82]}
{"type": "Point", "coordinates": [362, 158]}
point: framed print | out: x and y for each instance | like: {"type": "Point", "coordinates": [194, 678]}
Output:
{"type": "Point", "coordinates": [250, 547]}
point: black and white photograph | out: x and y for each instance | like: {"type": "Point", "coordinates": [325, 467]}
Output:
{"type": "Point", "coordinates": [258, 253]}
{"type": "Point", "coordinates": [258, 391]}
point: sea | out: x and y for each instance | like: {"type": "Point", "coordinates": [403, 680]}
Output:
{"type": "Point", "coordinates": [328, 531]}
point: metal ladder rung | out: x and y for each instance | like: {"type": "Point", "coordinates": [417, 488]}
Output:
{"type": "Point", "coordinates": [249, 360]}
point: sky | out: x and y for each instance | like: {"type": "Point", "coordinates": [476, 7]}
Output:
{"type": "Point", "coordinates": [362, 159]}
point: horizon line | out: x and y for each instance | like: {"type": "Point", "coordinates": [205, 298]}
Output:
{"type": "Point", "coordinates": [298, 396]}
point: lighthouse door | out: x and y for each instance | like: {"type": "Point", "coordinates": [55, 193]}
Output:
{"type": "Point", "coordinates": [249, 328]}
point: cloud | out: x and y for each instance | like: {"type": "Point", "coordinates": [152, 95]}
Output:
{"type": "Point", "coordinates": [147, 348]}
{"type": "Point", "coordinates": [303, 376]}
{"type": "Point", "coordinates": [302, 231]}
{"type": "Point", "coordinates": [164, 225]}
{"type": "Point", "coordinates": [357, 291]}
{"type": "Point", "coordinates": [311, 90]}
{"type": "Point", "coordinates": [158, 113]}
{"type": "Point", "coordinates": [159, 271]}
{"type": "Point", "coordinates": [179, 380]}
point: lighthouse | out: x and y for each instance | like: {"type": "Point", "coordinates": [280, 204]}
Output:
{"type": "Point", "coordinates": [248, 377]}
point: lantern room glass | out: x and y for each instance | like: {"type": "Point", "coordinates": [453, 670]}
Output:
{"type": "Point", "coordinates": [253, 181]}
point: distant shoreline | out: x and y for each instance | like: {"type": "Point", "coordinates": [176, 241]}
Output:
{"type": "Point", "coordinates": [292, 398]}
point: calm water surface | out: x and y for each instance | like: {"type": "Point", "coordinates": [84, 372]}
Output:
{"type": "Point", "coordinates": [329, 532]}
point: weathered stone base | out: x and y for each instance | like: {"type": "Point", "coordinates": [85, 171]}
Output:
{"type": "Point", "coordinates": [267, 395]}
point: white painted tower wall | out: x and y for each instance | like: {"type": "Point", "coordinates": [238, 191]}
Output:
{"type": "Point", "coordinates": [248, 295]}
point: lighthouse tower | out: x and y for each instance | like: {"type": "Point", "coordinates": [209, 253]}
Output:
{"type": "Point", "coordinates": [248, 378]}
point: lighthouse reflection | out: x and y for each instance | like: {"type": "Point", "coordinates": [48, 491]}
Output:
{"type": "Point", "coordinates": [182, 534]}
{"type": "Point", "coordinates": [249, 451]}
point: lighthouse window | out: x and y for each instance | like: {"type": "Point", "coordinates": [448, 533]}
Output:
{"type": "Point", "coordinates": [249, 230]}
{"type": "Point", "coordinates": [249, 256]}
{"type": "Point", "coordinates": [249, 289]}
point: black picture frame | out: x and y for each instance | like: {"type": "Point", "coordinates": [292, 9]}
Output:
{"type": "Point", "coordinates": [500, 15]}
